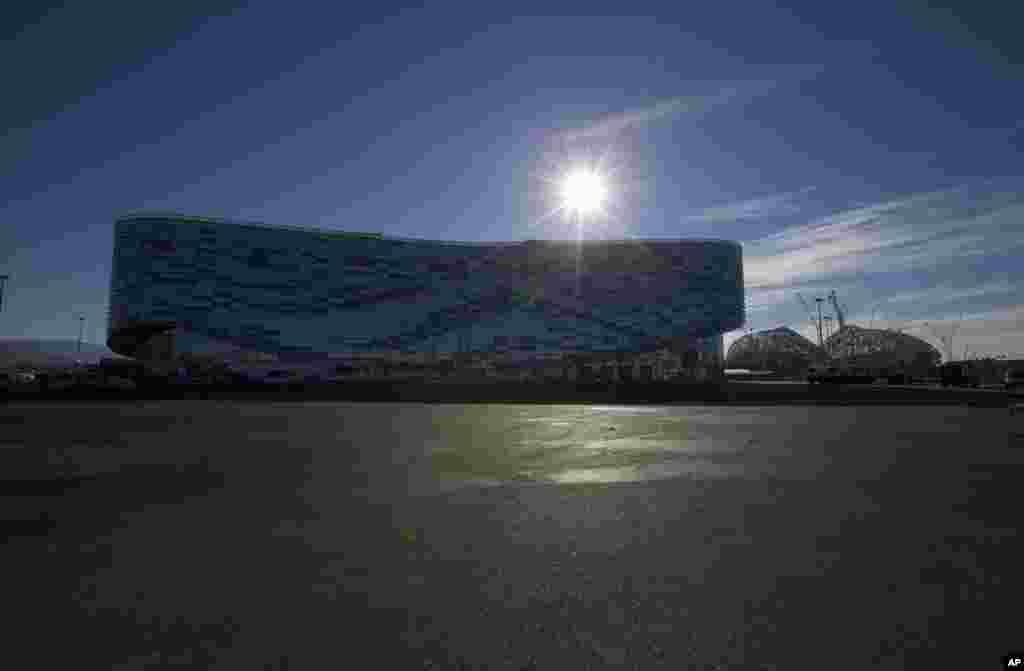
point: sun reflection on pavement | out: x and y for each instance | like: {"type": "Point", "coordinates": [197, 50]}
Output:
{"type": "Point", "coordinates": [584, 444]}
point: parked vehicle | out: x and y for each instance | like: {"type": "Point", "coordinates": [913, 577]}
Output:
{"type": "Point", "coordinates": [283, 377]}
{"type": "Point", "coordinates": [840, 374]}
{"type": "Point", "coordinates": [182, 377]}
{"type": "Point", "coordinates": [1014, 384]}
{"type": "Point", "coordinates": [858, 375]}
{"type": "Point", "coordinates": [277, 377]}
{"type": "Point", "coordinates": [315, 378]}
{"type": "Point", "coordinates": [60, 381]}
{"type": "Point", "coordinates": [818, 374]}
{"type": "Point", "coordinates": [118, 383]}
{"type": "Point", "coordinates": [898, 377]}
{"type": "Point", "coordinates": [957, 374]}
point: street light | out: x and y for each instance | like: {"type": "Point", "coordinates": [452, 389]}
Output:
{"type": "Point", "coordinates": [3, 283]}
{"type": "Point", "coordinates": [821, 340]}
{"type": "Point", "coordinates": [81, 329]}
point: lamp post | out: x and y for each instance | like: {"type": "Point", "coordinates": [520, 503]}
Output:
{"type": "Point", "coordinates": [81, 330]}
{"type": "Point", "coordinates": [821, 340]}
{"type": "Point", "coordinates": [3, 283]}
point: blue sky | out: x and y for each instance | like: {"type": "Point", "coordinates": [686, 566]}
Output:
{"type": "Point", "coordinates": [870, 148]}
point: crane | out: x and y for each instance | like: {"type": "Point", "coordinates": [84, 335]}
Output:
{"type": "Point", "coordinates": [839, 310]}
{"type": "Point", "coordinates": [3, 282]}
{"type": "Point", "coordinates": [807, 308]}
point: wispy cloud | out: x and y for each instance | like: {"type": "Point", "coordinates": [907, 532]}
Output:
{"type": "Point", "coordinates": [616, 124]}
{"type": "Point", "coordinates": [781, 204]}
{"type": "Point", "coordinates": [925, 257]}
{"type": "Point", "coordinates": [946, 293]}
{"type": "Point", "coordinates": [902, 234]}
{"type": "Point", "coordinates": [691, 106]}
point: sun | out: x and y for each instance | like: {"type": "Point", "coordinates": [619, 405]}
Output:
{"type": "Point", "coordinates": [584, 191]}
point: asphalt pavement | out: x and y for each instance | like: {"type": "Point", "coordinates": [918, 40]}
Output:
{"type": "Point", "coordinates": [331, 535]}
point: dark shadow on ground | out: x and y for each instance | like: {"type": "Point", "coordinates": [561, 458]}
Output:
{"type": "Point", "coordinates": [36, 507]}
{"type": "Point", "coordinates": [711, 393]}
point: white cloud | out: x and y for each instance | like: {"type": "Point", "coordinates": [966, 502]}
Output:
{"type": "Point", "coordinates": [767, 206]}
{"type": "Point", "coordinates": [691, 106]}
{"type": "Point", "coordinates": [904, 234]}
{"type": "Point", "coordinates": [873, 250]}
{"type": "Point", "coordinates": [947, 293]}
{"type": "Point", "coordinates": [615, 124]}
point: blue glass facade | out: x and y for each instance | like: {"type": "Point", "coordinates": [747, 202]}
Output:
{"type": "Point", "coordinates": [307, 294]}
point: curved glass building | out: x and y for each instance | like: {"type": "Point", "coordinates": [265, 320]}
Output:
{"type": "Point", "coordinates": [206, 286]}
{"type": "Point", "coordinates": [780, 349]}
{"type": "Point", "coordinates": [785, 351]}
{"type": "Point", "coordinates": [882, 347]}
